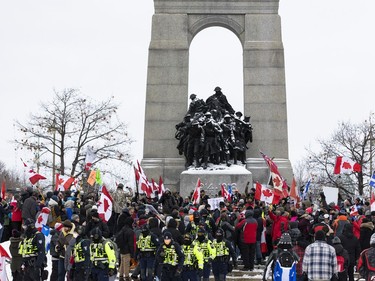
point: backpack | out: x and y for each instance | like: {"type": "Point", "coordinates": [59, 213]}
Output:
{"type": "Point", "coordinates": [340, 227]}
{"type": "Point", "coordinates": [285, 267]}
{"type": "Point", "coordinates": [367, 269]}
{"type": "Point", "coordinates": [340, 263]}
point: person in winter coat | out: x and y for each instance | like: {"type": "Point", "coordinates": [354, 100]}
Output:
{"type": "Point", "coordinates": [168, 202]}
{"type": "Point", "coordinates": [351, 244]}
{"type": "Point", "coordinates": [340, 251]}
{"type": "Point", "coordinates": [16, 212]}
{"type": "Point", "coordinates": [125, 241]}
{"type": "Point", "coordinates": [340, 222]}
{"type": "Point", "coordinates": [280, 223]}
{"type": "Point", "coordinates": [96, 222]}
{"type": "Point", "coordinates": [304, 226]}
{"type": "Point", "coordinates": [172, 228]}
{"type": "Point", "coordinates": [16, 262]}
{"type": "Point", "coordinates": [367, 260]}
{"type": "Point", "coordinates": [30, 207]}
{"type": "Point", "coordinates": [246, 234]}
{"type": "Point", "coordinates": [126, 213]}
{"type": "Point", "coordinates": [55, 233]}
{"type": "Point", "coordinates": [366, 230]}
{"type": "Point", "coordinates": [260, 222]}
{"type": "Point", "coordinates": [65, 236]}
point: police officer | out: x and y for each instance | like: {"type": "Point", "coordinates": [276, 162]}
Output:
{"type": "Point", "coordinates": [193, 226]}
{"type": "Point", "coordinates": [81, 256]}
{"type": "Point", "coordinates": [193, 259]}
{"type": "Point", "coordinates": [103, 257]}
{"type": "Point", "coordinates": [171, 258]}
{"type": "Point", "coordinates": [145, 252]}
{"type": "Point", "coordinates": [33, 252]}
{"type": "Point", "coordinates": [224, 250]}
{"type": "Point", "coordinates": [208, 251]}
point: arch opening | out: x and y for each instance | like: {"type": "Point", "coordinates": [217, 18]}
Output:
{"type": "Point", "coordinates": [210, 50]}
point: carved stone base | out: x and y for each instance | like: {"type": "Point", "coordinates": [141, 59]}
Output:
{"type": "Point", "coordinates": [213, 177]}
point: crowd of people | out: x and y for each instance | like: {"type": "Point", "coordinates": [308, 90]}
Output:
{"type": "Point", "coordinates": [170, 238]}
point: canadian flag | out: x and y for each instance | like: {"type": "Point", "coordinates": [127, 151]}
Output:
{"type": "Point", "coordinates": [279, 185]}
{"type": "Point", "coordinates": [42, 218]}
{"type": "Point", "coordinates": [225, 193]}
{"type": "Point", "coordinates": [63, 182]}
{"type": "Point", "coordinates": [345, 165]}
{"type": "Point", "coordinates": [197, 192]}
{"type": "Point", "coordinates": [144, 186]}
{"type": "Point", "coordinates": [263, 242]}
{"type": "Point", "coordinates": [161, 187]}
{"type": "Point", "coordinates": [294, 192]}
{"type": "Point", "coordinates": [3, 257]}
{"type": "Point", "coordinates": [35, 177]}
{"type": "Point", "coordinates": [105, 205]}
{"type": "Point", "coordinates": [262, 193]}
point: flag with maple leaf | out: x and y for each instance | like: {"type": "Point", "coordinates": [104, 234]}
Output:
{"type": "Point", "coordinates": [294, 192]}
{"type": "Point", "coordinates": [278, 183]}
{"type": "Point", "coordinates": [345, 165]}
{"type": "Point", "coordinates": [196, 198]}
{"type": "Point", "coordinates": [225, 193]}
{"type": "Point", "coordinates": [90, 157]}
{"type": "Point", "coordinates": [63, 182]}
{"type": "Point", "coordinates": [353, 211]}
{"type": "Point", "coordinates": [144, 186]}
{"type": "Point", "coordinates": [265, 194]}
{"type": "Point", "coordinates": [105, 205]}
{"type": "Point", "coordinates": [4, 256]}
{"type": "Point", "coordinates": [42, 218]}
{"type": "Point", "coordinates": [35, 177]}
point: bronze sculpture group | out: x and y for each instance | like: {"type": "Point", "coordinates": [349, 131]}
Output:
{"type": "Point", "coordinates": [212, 132]}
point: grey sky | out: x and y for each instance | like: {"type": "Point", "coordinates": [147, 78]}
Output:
{"type": "Point", "coordinates": [101, 47]}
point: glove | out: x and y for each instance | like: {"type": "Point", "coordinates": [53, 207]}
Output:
{"type": "Point", "coordinates": [178, 272]}
{"type": "Point", "coordinates": [111, 272]}
{"type": "Point", "coordinates": [57, 248]}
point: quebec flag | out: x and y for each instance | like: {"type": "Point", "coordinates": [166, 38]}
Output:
{"type": "Point", "coordinates": [281, 273]}
{"type": "Point", "coordinates": [47, 234]}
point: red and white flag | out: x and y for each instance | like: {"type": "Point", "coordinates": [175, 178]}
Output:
{"type": "Point", "coordinates": [294, 192]}
{"type": "Point", "coordinates": [345, 165]}
{"type": "Point", "coordinates": [196, 198]}
{"type": "Point", "coordinates": [263, 242]}
{"type": "Point", "coordinates": [3, 191]}
{"type": "Point", "coordinates": [42, 218]}
{"type": "Point", "coordinates": [279, 184]}
{"type": "Point", "coordinates": [225, 193]}
{"type": "Point", "coordinates": [90, 157]}
{"type": "Point", "coordinates": [63, 182]}
{"type": "Point", "coordinates": [3, 257]}
{"type": "Point", "coordinates": [353, 211]}
{"type": "Point", "coordinates": [264, 194]}
{"type": "Point", "coordinates": [105, 205]}
{"type": "Point", "coordinates": [161, 187]}
{"type": "Point", "coordinates": [35, 177]}
{"type": "Point", "coordinates": [144, 186]}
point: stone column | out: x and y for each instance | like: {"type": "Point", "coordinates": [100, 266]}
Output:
{"type": "Point", "coordinates": [264, 92]}
{"type": "Point", "coordinates": [166, 95]}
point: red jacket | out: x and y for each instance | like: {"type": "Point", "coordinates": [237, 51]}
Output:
{"type": "Point", "coordinates": [248, 230]}
{"type": "Point", "coordinates": [16, 212]}
{"type": "Point", "coordinates": [279, 226]}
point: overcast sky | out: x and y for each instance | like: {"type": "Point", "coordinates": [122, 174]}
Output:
{"type": "Point", "coordinates": [101, 47]}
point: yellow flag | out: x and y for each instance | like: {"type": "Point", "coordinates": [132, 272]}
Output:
{"type": "Point", "coordinates": [92, 178]}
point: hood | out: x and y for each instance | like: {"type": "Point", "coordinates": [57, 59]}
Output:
{"type": "Point", "coordinates": [339, 249]}
{"type": "Point", "coordinates": [368, 225]}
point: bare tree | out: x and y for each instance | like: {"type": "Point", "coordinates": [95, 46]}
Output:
{"type": "Point", "coordinates": [351, 140]}
{"type": "Point", "coordinates": [11, 178]}
{"type": "Point", "coordinates": [64, 127]}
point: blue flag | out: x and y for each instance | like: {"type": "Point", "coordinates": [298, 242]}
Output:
{"type": "Point", "coordinates": [46, 231]}
{"type": "Point", "coordinates": [306, 190]}
{"type": "Point", "coordinates": [230, 189]}
{"type": "Point", "coordinates": [372, 180]}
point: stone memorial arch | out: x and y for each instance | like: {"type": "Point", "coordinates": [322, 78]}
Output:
{"type": "Point", "coordinates": [257, 25]}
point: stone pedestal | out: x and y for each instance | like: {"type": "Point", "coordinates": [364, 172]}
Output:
{"type": "Point", "coordinates": [213, 177]}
